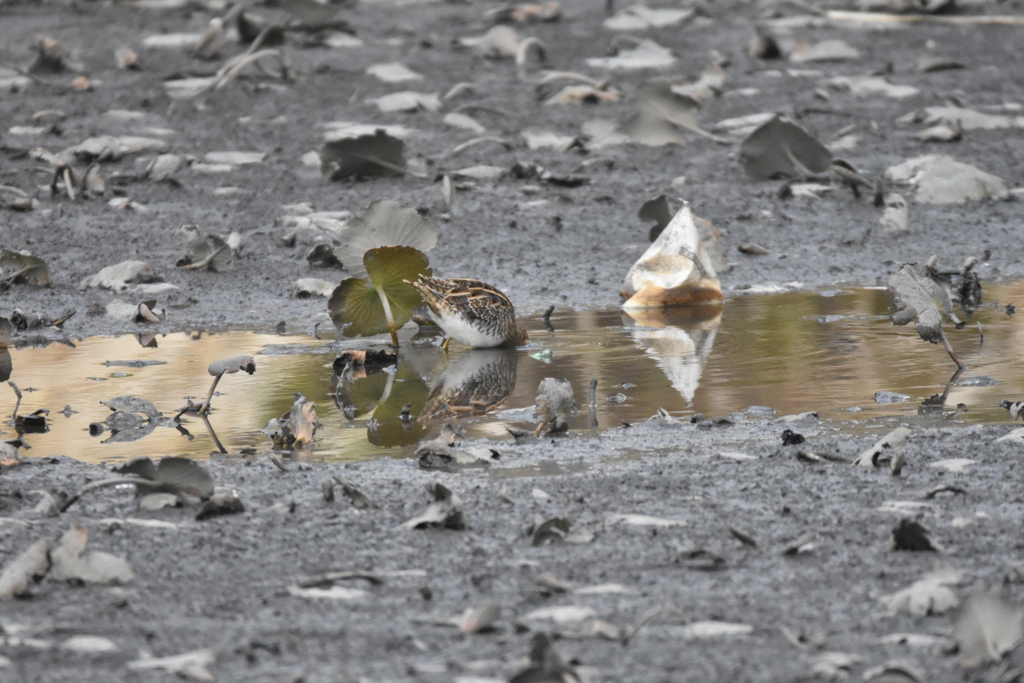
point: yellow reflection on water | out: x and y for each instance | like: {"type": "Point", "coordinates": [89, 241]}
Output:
{"type": "Point", "coordinates": [791, 352]}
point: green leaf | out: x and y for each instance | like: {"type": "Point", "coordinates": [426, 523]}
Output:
{"type": "Point", "coordinates": [356, 306]}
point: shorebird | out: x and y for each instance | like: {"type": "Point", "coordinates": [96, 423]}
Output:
{"type": "Point", "coordinates": [471, 312]}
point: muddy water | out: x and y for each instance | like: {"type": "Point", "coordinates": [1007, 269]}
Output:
{"type": "Point", "coordinates": [830, 352]}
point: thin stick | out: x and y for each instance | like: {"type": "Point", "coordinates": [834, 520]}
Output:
{"type": "Point", "coordinates": [949, 350]}
{"type": "Point", "coordinates": [213, 434]}
{"type": "Point", "coordinates": [205, 408]}
{"type": "Point", "coordinates": [17, 392]}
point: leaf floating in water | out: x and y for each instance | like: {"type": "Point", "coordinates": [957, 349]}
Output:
{"type": "Point", "coordinates": [780, 148]}
{"type": "Point", "coordinates": [987, 627]}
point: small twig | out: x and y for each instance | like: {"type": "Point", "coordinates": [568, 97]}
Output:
{"type": "Point", "coordinates": [92, 486]}
{"type": "Point", "coordinates": [17, 392]}
{"type": "Point", "coordinates": [547, 318]}
{"type": "Point", "coordinates": [213, 434]}
{"type": "Point", "coordinates": [949, 349]}
{"type": "Point", "coordinates": [630, 632]}
{"type": "Point", "coordinates": [277, 463]}
{"type": "Point", "coordinates": [205, 408]}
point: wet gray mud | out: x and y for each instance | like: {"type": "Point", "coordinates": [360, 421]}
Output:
{"type": "Point", "coordinates": [223, 583]}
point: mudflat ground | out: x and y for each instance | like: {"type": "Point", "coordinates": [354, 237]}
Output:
{"type": "Point", "coordinates": [223, 583]}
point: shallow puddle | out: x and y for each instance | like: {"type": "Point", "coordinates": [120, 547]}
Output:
{"type": "Point", "coordinates": [830, 352]}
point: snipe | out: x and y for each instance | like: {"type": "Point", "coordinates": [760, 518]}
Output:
{"type": "Point", "coordinates": [471, 312]}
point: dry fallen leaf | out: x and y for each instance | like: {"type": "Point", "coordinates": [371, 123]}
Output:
{"type": "Point", "coordinates": [987, 627]}
{"type": "Point", "coordinates": [71, 562]}
{"type": "Point", "coordinates": [781, 148]}
{"type": "Point", "coordinates": [19, 575]}
{"type": "Point", "coordinates": [444, 512]}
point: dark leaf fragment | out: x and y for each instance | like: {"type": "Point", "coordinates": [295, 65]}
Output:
{"type": "Point", "coordinates": [780, 148]}
{"type": "Point", "coordinates": [378, 154]}
{"type": "Point", "coordinates": [911, 535]}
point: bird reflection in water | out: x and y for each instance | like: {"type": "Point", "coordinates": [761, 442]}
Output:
{"type": "Point", "coordinates": [472, 384]}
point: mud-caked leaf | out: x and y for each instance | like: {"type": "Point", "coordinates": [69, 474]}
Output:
{"type": "Point", "coordinates": [883, 449]}
{"type": "Point", "coordinates": [554, 530]}
{"type": "Point", "coordinates": [444, 512]}
{"type": "Point", "coordinates": [987, 627]}
{"type": "Point", "coordinates": [118, 277]}
{"type": "Point", "coordinates": [546, 665]}
{"type": "Point", "coordinates": [133, 404]}
{"type": "Point", "coordinates": [931, 594]}
{"type": "Point", "coordinates": [218, 506]}
{"type": "Point", "coordinates": [479, 619]}
{"type": "Point", "coordinates": [370, 155]}
{"type": "Point", "coordinates": [355, 495]}
{"type": "Point", "coordinates": [660, 114]}
{"type": "Point", "coordinates": [71, 562]}
{"type": "Point", "coordinates": [185, 475]}
{"type": "Point", "coordinates": [384, 223]}
{"type": "Point", "coordinates": [22, 267]}
{"type": "Point", "coordinates": [555, 403]}
{"type": "Point", "coordinates": [780, 148]}
{"type": "Point", "coordinates": [918, 294]}
{"type": "Point", "coordinates": [233, 364]}
{"type": "Point", "coordinates": [19, 575]}
{"type": "Point", "coordinates": [356, 306]}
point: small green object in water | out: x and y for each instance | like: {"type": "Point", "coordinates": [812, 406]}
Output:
{"type": "Point", "coordinates": [544, 356]}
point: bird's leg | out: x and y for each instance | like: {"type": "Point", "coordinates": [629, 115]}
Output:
{"type": "Point", "coordinates": [445, 343]}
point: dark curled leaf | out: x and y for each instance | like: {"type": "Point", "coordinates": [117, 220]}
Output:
{"type": "Point", "coordinates": [656, 210]}
{"type": "Point", "coordinates": [378, 154]}
{"type": "Point", "coordinates": [910, 535]}
{"type": "Point", "coordinates": [23, 268]}
{"type": "Point", "coordinates": [233, 364]}
{"type": "Point", "coordinates": [187, 475]}
{"type": "Point", "coordinates": [220, 505]}
{"type": "Point", "coordinates": [551, 531]}
{"type": "Point", "coordinates": [780, 148]}
{"type": "Point", "coordinates": [141, 467]}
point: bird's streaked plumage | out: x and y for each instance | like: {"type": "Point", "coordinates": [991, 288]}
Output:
{"type": "Point", "coordinates": [471, 312]}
